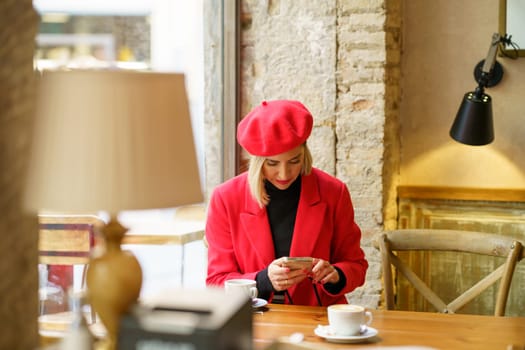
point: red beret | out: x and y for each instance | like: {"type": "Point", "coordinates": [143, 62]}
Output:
{"type": "Point", "coordinates": [274, 127]}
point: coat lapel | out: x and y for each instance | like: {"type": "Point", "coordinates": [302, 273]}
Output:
{"type": "Point", "coordinates": [309, 219]}
{"type": "Point", "coordinates": [255, 223]}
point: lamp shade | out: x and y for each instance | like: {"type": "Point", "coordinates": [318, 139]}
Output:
{"type": "Point", "coordinates": [111, 141]}
{"type": "Point", "coordinates": [473, 124]}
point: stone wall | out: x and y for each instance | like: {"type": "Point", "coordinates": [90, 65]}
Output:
{"type": "Point", "coordinates": [366, 123]}
{"type": "Point", "coordinates": [18, 247]}
{"type": "Point", "coordinates": [288, 51]}
{"type": "Point", "coordinates": [341, 59]}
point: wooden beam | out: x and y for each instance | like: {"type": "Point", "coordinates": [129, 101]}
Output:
{"type": "Point", "coordinates": [462, 193]}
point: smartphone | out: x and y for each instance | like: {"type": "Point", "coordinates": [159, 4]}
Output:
{"type": "Point", "coordinates": [298, 263]}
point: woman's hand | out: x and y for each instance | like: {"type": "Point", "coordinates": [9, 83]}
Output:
{"type": "Point", "coordinates": [324, 272]}
{"type": "Point", "coordinates": [282, 277]}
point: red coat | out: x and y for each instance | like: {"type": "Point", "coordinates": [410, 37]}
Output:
{"type": "Point", "coordinates": [240, 241]}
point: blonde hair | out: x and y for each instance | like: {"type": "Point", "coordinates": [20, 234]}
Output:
{"type": "Point", "coordinates": [256, 177]}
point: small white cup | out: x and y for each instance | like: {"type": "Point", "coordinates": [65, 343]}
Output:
{"type": "Point", "coordinates": [246, 286]}
{"type": "Point", "coordinates": [348, 319]}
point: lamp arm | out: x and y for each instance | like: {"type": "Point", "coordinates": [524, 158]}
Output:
{"type": "Point", "coordinates": [491, 56]}
{"type": "Point", "coordinates": [488, 65]}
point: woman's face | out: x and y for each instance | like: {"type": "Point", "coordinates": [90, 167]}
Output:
{"type": "Point", "coordinates": [282, 170]}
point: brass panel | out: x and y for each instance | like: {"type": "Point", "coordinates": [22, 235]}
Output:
{"type": "Point", "coordinates": [450, 273]}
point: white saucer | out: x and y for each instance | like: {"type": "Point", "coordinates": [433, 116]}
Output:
{"type": "Point", "coordinates": [258, 302]}
{"type": "Point", "coordinates": [326, 332]}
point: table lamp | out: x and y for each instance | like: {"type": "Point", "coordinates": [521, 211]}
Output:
{"type": "Point", "coordinates": [111, 141]}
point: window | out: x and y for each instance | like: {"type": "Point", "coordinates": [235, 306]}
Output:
{"type": "Point", "coordinates": [160, 35]}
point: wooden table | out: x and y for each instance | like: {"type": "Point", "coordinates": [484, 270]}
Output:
{"type": "Point", "coordinates": [395, 328]}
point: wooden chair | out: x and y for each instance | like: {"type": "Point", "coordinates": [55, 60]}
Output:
{"type": "Point", "coordinates": [453, 241]}
{"type": "Point", "coordinates": [67, 240]}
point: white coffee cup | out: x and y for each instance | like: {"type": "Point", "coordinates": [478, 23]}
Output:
{"type": "Point", "coordinates": [348, 319]}
{"type": "Point", "coordinates": [241, 285]}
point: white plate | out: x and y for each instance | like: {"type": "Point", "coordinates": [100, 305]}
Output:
{"type": "Point", "coordinates": [326, 332]}
{"type": "Point", "coordinates": [258, 302]}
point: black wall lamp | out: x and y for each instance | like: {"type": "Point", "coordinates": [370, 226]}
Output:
{"type": "Point", "coordinates": [473, 124]}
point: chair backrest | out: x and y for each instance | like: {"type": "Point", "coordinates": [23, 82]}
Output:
{"type": "Point", "coordinates": [66, 239]}
{"type": "Point", "coordinates": [452, 241]}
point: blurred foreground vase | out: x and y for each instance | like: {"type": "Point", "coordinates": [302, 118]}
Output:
{"type": "Point", "coordinates": [114, 280]}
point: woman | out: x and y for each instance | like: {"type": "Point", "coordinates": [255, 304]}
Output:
{"type": "Point", "coordinates": [282, 207]}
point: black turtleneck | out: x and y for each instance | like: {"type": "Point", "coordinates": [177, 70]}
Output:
{"type": "Point", "coordinates": [282, 210]}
